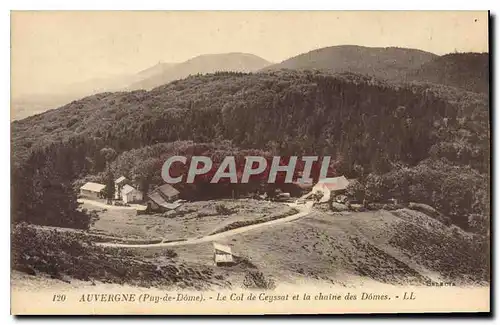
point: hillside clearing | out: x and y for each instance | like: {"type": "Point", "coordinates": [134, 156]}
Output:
{"type": "Point", "coordinates": [191, 220]}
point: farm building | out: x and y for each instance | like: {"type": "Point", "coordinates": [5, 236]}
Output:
{"type": "Point", "coordinates": [222, 255]}
{"type": "Point", "coordinates": [119, 183]}
{"type": "Point", "coordinates": [92, 190]}
{"type": "Point", "coordinates": [169, 192]}
{"type": "Point", "coordinates": [330, 186]}
{"type": "Point", "coordinates": [130, 195]}
{"type": "Point", "coordinates": [162, 198]}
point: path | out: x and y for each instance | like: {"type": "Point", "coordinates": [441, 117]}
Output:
{"type": "Point", "coordinates": [304, 210]}
{"type": "Point", "coordinates": [112, 207]}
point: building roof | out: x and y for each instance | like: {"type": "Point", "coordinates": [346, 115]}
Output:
{"type": "Point", "coordinates": [156, 197]}
{"type": "Point", "coordinates": [127, 189]}
{"type": "Point", "coordinates": [120, 180]}
{"type": "Point", "coordinates": [334, 183]}
{"type": "Point", "coordinates": [93, 187]}
{"type": "Point", "coordinates": [222, 248]}
{"type": "Point", "coordinates": [168, 190]}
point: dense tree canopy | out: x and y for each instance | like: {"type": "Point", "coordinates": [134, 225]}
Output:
{"type": "Point", "coordinates": [368, 126]}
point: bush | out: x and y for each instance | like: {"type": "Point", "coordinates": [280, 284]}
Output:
{"type": "Point", "coordinates": [257, 280]}
{"type": "Point", "coordinates": [375, 189]}
{"type": "Point", "coordinates": [223, 210]}
{"type": "Point", "coordinates": [479, 224]}
{"type": "Point", "coordinates": [338, 207]}
{"type": "Point", "coordinates": [427, 209]}
{"type": "Point", "coordinates": [393, 206]}
{"type": "Point", "coordinates": [355, 191]}
{"type": "Point", "coordinates": [357, 207]}
{"type": "Point", "coordinates": [72, 254]}
{"type": "Point", "coordinates": [317, 196]}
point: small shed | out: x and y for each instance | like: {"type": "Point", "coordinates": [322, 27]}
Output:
{"type": "Point", "coordinates": [222, 255]}
{"type": "Point", "coordinates": [92, 190]}
{"type": "Point", "coordinates": [130, 194]}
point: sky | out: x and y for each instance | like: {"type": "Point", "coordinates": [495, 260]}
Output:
{"type": "Point", "coordinates": [52, 49]}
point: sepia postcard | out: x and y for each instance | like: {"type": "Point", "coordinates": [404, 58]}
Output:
{"type": "Point", "coordinates": [250, 162]}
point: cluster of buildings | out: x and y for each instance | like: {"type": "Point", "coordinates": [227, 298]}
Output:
{"type": "Point", "coordinates": [162, 198]}
{"type": "Point", "coordinates": [166, 197]}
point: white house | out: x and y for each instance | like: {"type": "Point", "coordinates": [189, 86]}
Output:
{"type": "Point", "coordinates": [119, 183]}
{"type": "Point", "coordinates": [92, 190]}
{"type": "Point", "coordinates": [222, 254]}
{"type": "Point", "coordinates": [129, 194]}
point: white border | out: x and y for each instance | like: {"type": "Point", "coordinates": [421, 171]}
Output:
{"type": "Point", "coordinates": [182, 5]}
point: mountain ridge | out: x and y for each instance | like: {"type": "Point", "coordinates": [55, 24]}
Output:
{"type": "Point", "coordinates": [468, 71]}
{"type": "Point", "coordinates": [205, 63]}
{"type": "Point", "coordinates": [154, 76]}
{"type": "Point", "coordinates": [382, 62]}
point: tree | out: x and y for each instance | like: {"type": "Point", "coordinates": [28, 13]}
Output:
{"type": "Point", "coordinates": [479, 223]}
{"type": "Point", "coordinates": [356, 191]}
{"type": "Point", "coordinates": [374, 188]}
{"type": "Point", "coordinates": [108, 154]}
{"type": "Point", "coordinates": [110, 186]}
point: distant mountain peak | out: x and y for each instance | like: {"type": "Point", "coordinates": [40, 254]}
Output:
{"type": "Point", "coordinates": [201, 64]}
{"type": "Point", "coordinates": [383, 62]}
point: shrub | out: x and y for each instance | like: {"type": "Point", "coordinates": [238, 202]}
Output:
{"type": "Point", "coordinates": [357, 207]}
{"type": "Point", "coordinates": [71, 254]}
{"type": "Point", "coordinates": [355, 191]}
{"type": "Point", "coordinates": [337, 207]}
{"type": "Point", "coordinates": [223, 210]}
{"type": "Point", "coordinates": [257, 280]}
{"type": "Point", "coordinates": [374, 188]}
{"type": "Point", "coordinates": [427, 209]}
{"type": "Point", "coordinates": [479, 223]}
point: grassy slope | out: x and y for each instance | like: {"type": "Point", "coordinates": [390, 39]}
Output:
{"type": "Point", "coordinates": [381, 246]}
{"type": "Point", "coordinates": [402, 247]}
{"type": "Point", "coordinates": [68, 255]}
{"type": "Point", "coordinates": [191, 220]}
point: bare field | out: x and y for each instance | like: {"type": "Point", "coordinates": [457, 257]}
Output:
{"type": "Point", "coordinates": [191, 220]}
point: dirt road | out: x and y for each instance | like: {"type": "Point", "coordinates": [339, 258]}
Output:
{"type": "Point", "coordinates": [304, 210]}
{"type": "Point", "coordinates": [112, 207]}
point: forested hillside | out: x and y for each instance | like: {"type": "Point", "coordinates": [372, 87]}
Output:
{"type": "Point", "coordinates": [388, 63]}
{"type": "Point", "coordinates": [418, 142]}
{"type": "Point", "coordinates": [469, 71]}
